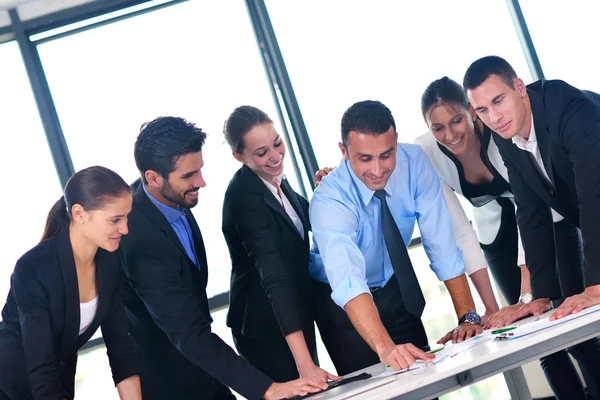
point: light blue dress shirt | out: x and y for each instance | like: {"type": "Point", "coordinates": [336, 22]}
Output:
{"type": "Point", "coordinates": [180, 224]}
{"type": "Point", "coordinates": [349, 250]}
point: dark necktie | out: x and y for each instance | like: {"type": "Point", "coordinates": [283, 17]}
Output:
{"type": "Point", "coordinates": [414, 302]}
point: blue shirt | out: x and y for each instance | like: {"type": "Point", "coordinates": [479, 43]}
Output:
{"type": "Point", "coordinates": [181, 226]}
{"type": "Point", "coordinates": [349, 250]}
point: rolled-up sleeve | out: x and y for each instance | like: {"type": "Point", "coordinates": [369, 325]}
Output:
{"type": "Point", "coordinates": [334, 228]}
{"type": "Point", "coordinates": [434, 222]}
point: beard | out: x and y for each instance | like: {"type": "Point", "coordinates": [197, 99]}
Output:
{"type": "Point", "coordinates": [172, 195]}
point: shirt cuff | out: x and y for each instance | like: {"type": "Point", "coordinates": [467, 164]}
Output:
{"type": "Point", "coordinates": [348, 289]}
{"type": "Point", "coordinates": [449, 267]}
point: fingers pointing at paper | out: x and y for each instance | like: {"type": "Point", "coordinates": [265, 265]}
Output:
{"type": "Point", "coordinates": [403, 356]}
{"type": "Point", "coordinates": [574, 304]}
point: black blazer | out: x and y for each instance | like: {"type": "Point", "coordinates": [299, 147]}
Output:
{"type": "Point", "coordinates": [270, 287]}
{"type": "Point", "coordinates": [567, 128]}
{"type": "Point", "coordinates": [167, 307]}
{"type": "Point", "coordinates": [39, 334]}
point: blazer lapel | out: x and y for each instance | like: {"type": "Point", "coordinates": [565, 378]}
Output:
{"type": "Point", "coordinates": [292, 196]}
{"type": "Point", "coordinates": [103, 260]}
{"type": "Point", "coordinates": [157, 218]}
{"type": "Point", "coordinates": [255, 185]}
{"type": "Point", "coordinates": [198, 245]}
{"type": "Point", "coordinates": [541, 132]}
{"type": "Point", "coordinates": [68, 345]}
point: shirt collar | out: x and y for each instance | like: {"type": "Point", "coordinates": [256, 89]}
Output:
{"type": "Point", "coordinates": [523, 143]}
{"type": "Point", "coordinates": [171, 214]}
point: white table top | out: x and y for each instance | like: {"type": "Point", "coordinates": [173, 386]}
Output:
{"type": "Point", "coordinates": [481, 359]}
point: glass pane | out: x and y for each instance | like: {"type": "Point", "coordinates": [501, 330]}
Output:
{"type": "Point", "coordinates": [200, 64]}
{"type": "Point", "coordinates": [567, 53]}
{"type": "Point", "coordinates": [383, 50]}
{"type": "Point", "coordinates": [30, 182]}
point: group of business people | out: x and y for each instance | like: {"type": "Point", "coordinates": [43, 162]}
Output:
{"type": "Point", "coordinates": [131, 259]}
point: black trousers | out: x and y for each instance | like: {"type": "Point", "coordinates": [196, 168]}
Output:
{"type": "Point", "coordinates": [502, 260]}
{"type": "Point", "coordinates": [271, 353]}
{"type": "Point", "coordinates": [347, 349]}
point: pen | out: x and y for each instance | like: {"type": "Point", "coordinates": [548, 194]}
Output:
{"type": "Point", "coordinates": [503, 330]}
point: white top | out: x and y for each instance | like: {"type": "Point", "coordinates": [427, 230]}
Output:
{"type": "Point", "coordinates": [87, 312]}
{"type": "Point", "coordinates": [530, 145]}
{"type": "Point", "coordinates": [285, 203]}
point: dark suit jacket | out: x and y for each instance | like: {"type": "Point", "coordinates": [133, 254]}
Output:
{"type": "Point", "coordinates": [567, 128]}
{"type": "Point", "coordinates": [39, 334]}
{"type": "Point", "coordinates": [270, 287]}
{"type": "Point", "coordinates": [169, 317]}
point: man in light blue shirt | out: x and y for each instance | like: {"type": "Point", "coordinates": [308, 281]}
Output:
{"type": "Point", "coordinates": [360, 214]}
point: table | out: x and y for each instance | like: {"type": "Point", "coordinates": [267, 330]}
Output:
{"type": "Point", "coordinates": [477, 363]}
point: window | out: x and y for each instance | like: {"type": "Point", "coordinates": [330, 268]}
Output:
{"type": "Point", "coordinates": [340, 52]}
{"type": "Point", "coordinates": [30, 183]}
{"type": "Point", "coordinates": [197, 60]}
{"type": "Point", "coordinates": [562, 35]}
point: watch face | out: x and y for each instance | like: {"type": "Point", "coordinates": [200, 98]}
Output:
{"type": "Point", "coordinates": [471, 317]}
{"type": "Point", "coordinates": [526, 298]}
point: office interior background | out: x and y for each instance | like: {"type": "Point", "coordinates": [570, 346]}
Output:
{"type": "Point", "coordinates": [78, 78]}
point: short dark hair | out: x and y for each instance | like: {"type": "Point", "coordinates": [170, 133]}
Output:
{"type": "Point", "coordinates": [91, 188]}
{"type": "Point", "coordinates": [481, 69]}
{"type": "Point", "coordinates": [240, 122]}
{"type": "Point", "coordinates": [368, 117]}
{"type": "Point", "coordinates": [443, 91]}
{"type": "Point", "coordinates": [162, 141]}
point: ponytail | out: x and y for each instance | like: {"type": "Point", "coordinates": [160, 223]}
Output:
{"type": "Point", "coordinates": [58, 220]}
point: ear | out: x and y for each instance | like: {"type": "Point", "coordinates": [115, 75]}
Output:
{"type": "Point", "coordinates": [78, 213]}
{"type": "Point", "coordinates": [238, 157]}
{"type": "Point", "coordinates": [520, 87]}
{"type": "Point", "coordinates": [343, 149]}
{"type": "Point", "coordinates": [472, 112]}
{"type": "Point", "coordinates": [153, 178]}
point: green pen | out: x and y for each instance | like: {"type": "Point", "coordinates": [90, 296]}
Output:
{"type": "Point", "coordinates": [503, 330]}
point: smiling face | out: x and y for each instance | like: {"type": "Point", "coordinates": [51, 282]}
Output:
{"type": "Point", "coordinates": [372, 157]}
{"type": "Point", "coordinates": [504, 109]}
{"type": "Point", "coordinates": [264, 151]}
{"type": "Point", "coordinates": [452, 126]}
{"type": "Point", "coordinates": [105, 226]}
{"type": "Point", "coordinates": [181, 187]}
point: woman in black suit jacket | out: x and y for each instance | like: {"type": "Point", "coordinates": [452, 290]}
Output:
{"type": "Point", "coordinates": [63, 289]}
{"type": "Point", "coordinates": [266, 227]}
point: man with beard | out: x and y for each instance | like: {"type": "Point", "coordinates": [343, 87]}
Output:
{"type": "Point", "coordinates": [165, 272]}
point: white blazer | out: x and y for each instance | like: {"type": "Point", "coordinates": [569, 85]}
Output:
{"type": "Point", "coordinates": [487, 219]}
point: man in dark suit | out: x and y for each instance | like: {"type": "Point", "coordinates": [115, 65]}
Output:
{"type": "Point", "coordinates": [548, 133]}
{"type": "Point", "coordinates": [165, 269]}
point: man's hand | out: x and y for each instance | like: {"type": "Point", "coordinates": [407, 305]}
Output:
{"type": "Point", "coordinates": [464, 331]}
{"type": "Point", "coordinates": [402, 356]}
{"type": "Point", "coordinates": [500, 318]}
{"type": "Point", "coordinates": [312, 371]}
{"type": "Point", "coordinates": [299, 387]}
{"type": "Point", "coordinates": [321, 174]}
{"type": "Point", "coordinates": [574, 304]}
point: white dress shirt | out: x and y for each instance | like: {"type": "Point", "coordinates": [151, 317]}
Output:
{"type": "Point", "coordinates": [530, 145]}
{"type": "Point", "coordinates": [285, 203]}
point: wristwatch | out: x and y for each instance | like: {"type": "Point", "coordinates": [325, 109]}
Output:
{"type": "Point", "coordinates": [471, 317]}
{"type": "Point", "coordinates": [526, 298]}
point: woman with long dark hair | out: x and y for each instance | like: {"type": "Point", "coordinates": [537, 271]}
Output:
{"type": "Point", "coordinates": [64, 289]}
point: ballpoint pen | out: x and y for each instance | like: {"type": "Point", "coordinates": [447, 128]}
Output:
{"type": "Point", "coordinates": [502, 330]}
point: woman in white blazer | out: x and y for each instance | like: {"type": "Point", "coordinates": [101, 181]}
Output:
{"type": "Point", "coordinates": [469, 163]}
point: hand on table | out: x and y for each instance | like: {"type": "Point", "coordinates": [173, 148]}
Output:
{"type": "Point", "coordinates": [312, 371]}
{"type": "Point", "coordinates": [298, 387]}
{"type": "Point", "coordinates": [462, 332]}
{"type": "Point", "coordinates": [402, 356]}
{"type": "Point", "coordinates": [574, 304]}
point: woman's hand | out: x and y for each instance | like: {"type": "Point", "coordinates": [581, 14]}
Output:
{"type": "Point", "coordinates": [312, 371]}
